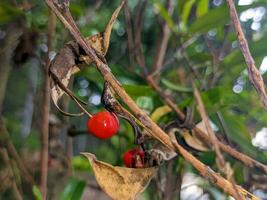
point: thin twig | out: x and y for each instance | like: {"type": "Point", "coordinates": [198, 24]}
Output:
{"type": "Point", "coordinates": [7, 162]}
{"type": "Point", "coordinates": [137, 37]}
{"type": "Point", "coordinates": [129, 30]}
{"type": "Point", "coordinates": [149, 125]}
{"type": "Point", "coordinates": [226, 169]}
{"type": "Point", "coordinates": [45, 109]}
{"type": "Point", "coordinates": [164, 39]}
{"type": "Point", "coordinates": [178, 51]}
{"type": "Point", "coordinates": [6, 141]}
{"type": "Point", "coordinates": [253, 72]}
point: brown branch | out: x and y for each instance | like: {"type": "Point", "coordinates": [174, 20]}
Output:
{"type": "Point", "coordinates": [149, 125]}
{"type": "Point", "coordinates": [178, 51]}
{"type": "Point", "coordinates": [253, 72]}
{"type": "Point", "coordinates": [129, 30]}
{"type": "Point", "coordinates": [45, 109]}
{"type": "Point", "coordinates": [137, 37]}
{"type": "Point", "coordinates": [6, 141]}
{"type": "Point", "coordinates": [68, 138]}
{"type": "Point", "coordinates": [7, 162]}
{"type": "Point", "coordinates": [214, 140]}
{"type": "Point", "coordinates": [164, 39]}
{"type": "Point", "coordinates": [223, 166]}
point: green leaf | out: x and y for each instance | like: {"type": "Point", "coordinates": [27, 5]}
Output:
{"type": "Point", "coordinates": [80, 163]}
{"type": "Point", "coordinates": [91, 74]}
{"type": "Point", "coordinates": [36, 193]}
{"type": "Point", "coordinates": [145, 103]}
{"type": "Point", "coordinates": [159, 112]}
{"type": "Point", "coordinates": [139, 90]}
{"type": "Point", "coordinates": [238, 133]}
{"type": "Point", "coordinates": [214, 18]}
{"type": "Point", "coordinates": [8, 12]}
{"type": "Point", "coordinates": [215, 99]}
{"type": "Point", "coordinates": [208, 157]}
{"type": "Point", "coordinates": [258, 51]}
{"type": "Point", "coordinates": [33, 142]}
{"type": "Point", "coordinates": [159, 7]}
{"type": "Point", "coordinates": [186, 10]}
{"type": "Point", "coordinates": [175, 87]}
{"type": "Point", "coordinates": [202, 7]}
{"type": "Point", "coordinates": [73, 190]}
{"type": "Point", "coordinates": [115, 141]}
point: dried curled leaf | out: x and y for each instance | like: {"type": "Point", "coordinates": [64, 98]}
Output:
{"type": "Point", "coordinates": [188, 140]}
{"type": "Point", "coordinates": [183, 137]}
{"type": "Point", "coordinates": [120, 182]}
{"type": "Point", "coordinates": [71, 58]}
{"type": "Point", "coordinates": [194, 142]}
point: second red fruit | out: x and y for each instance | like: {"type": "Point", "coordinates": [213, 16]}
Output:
{"type": "Point", "coordinates": [103, 125]}
{"type": "Point", "coordinates": [134, 158]}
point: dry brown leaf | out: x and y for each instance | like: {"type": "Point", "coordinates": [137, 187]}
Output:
{"type": "Point", "coordinates": [120, 182]}
{"type": "Point", "coordinates": [71, 58]}
{"type": "Point", "coordinates": [194, 142]}
{"type": "Point", "coordinates": [189, 139]}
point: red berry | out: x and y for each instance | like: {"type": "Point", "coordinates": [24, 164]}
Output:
{"type": "Point", "coordinates": [132, 158]}
{"type": "Point", "coordinates": [103, 125]}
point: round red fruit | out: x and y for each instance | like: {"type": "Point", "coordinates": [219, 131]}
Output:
{"type": "Point", "coordinates": [134, 158]}
{"type": "Point", "coordinates": [103, 125]}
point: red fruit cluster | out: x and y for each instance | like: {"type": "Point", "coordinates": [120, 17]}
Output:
{"type": "Point", "coordinates": [103, 125]}
{"type": "Point", "coordinates": [134, 158]}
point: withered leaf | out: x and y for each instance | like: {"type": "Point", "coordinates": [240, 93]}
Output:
{"type": "Point", "coordinates": [120, 182]}
{"type": "Point", "coordinates": [194, 142]}
{"type": "Point", "coordinates": [184, 136]}
{"type": "Point", "coordinates": [71, 58]}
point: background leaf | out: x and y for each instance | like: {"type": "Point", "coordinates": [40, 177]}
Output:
{"type": "Point", "coordinates": [73, 190]}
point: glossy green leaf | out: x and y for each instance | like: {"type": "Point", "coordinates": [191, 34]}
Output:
{"type": "Point", "coordinates": [73, 190]}
{"type": "Point", "coordinates": [202, 7]}
{"type": "Point", "coordinates": [208, 157]}
{"type": "Point", "coordinates": [80, 163]}
{"type": "Point", "coordinates": [159, 7]}
{"type": "Point", "coordinates": [214, 18]}
{"type": "Point", "coordinates": [36, 193]}
{"type": "Point", "coordinates": [238, 133]}
{"type": "Point", "coordinates": [186, 10]}
{"type": "Point", "coordinates": [175, 87]}
{"type": "Point", "coordinates": [258, 51]}
{"type": "Point", "coordinates": [91, 74]}
{"type": "Point", "coordinates": [8, 12]}
{"type": "Point", "coordinates": [145, 103]}
{"type": "Point", "coordinates": [159, 112]}
{"type": "Point", "coordinates": [139, 90]}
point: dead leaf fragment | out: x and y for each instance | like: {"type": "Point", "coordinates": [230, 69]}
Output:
{"type": "Point", "coordinates": [71, 59]}
{"type": "Point", "coordinates": [194, 142]}
{"type": "Point", "coordinates": [120, 182]}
